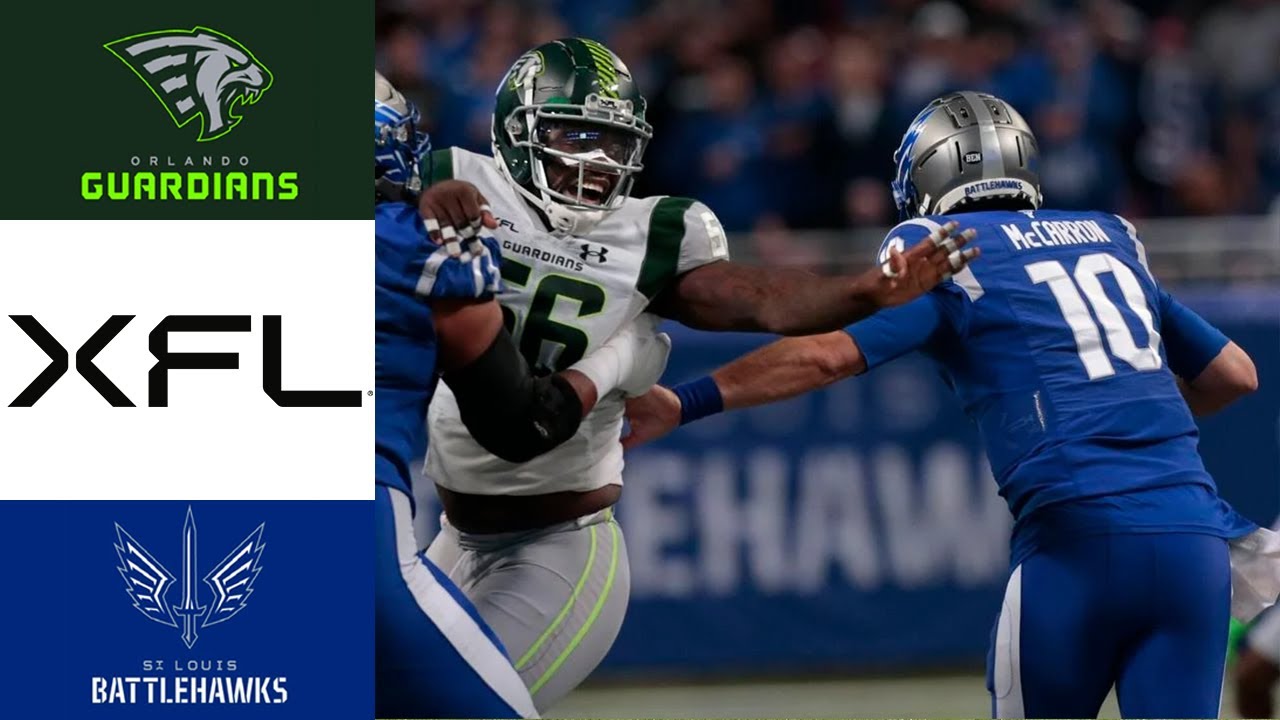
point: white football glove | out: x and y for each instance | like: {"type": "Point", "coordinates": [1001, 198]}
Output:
{"type": "Point", "coordinates": [649, 356]}
{"type": "Point", "coordinates": [631, 361]}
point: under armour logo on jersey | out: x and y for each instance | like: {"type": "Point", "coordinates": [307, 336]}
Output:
{"type": "Point", "coordinates": [587, 253]}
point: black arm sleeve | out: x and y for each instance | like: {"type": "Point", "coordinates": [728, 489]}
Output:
{"type": "Point", "coordinates": [508, 411]}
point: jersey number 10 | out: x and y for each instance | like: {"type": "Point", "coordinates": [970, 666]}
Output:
{"type": "Point", "coordinates": [1071, 291]}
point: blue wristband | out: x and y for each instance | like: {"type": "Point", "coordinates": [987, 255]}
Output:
{"type": "Point", "coordinates": [698, 399]}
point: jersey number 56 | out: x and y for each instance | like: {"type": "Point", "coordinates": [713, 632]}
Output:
{"type": "Point", "coordinates": [537, 326]}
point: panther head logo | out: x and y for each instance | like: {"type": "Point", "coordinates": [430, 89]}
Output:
{"type": "Point", "coordinates": [196, 73]}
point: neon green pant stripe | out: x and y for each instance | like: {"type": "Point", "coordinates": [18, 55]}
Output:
{"type": "Point", "coordinates": [591, 619]}
{"type": "Point", "coordinates": [564, 611]}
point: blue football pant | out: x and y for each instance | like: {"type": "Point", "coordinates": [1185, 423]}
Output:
{"type": "Point", "coordinates": [435, 656]}
{"type": "Point", "coordinates": [1148, 614]}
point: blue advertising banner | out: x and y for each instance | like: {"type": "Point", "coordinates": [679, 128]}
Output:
{"type": "Point", "coordinates": [859, 526]}
{"type": "Point", "coordinates": [151, 609]}
{"type": "Point", "coordinates": [854, 526]}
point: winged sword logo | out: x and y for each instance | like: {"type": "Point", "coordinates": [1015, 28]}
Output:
{"type": "Point", "coordinates": [149, 583]}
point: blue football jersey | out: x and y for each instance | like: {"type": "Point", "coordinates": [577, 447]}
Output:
{"type": "Point", "coordinates": [1053, 343]}
{"type": "Point", "coordinates": [412, 270]}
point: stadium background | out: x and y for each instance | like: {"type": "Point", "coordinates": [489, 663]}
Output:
{"type": "Point", "coordinates": [844, 554]}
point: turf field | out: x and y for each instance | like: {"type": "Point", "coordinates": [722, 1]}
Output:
{"type": "Point", "coordinates": [934, 696]}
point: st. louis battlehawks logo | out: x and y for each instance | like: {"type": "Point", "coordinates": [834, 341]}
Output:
{"type": "Point", "coordinates": [196, 73]}
{"type": "Point", "coordinates": [149, 583]}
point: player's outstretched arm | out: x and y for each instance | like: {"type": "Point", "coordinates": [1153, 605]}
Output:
{"type": "Point", "coordinates": [1212, 371]}
{"type": "Point", "coordinates": [778, 371]}
{"type": "Point", "coordinates": [731, 296]}
{"type": "Point", "coordinates": [793, 366]}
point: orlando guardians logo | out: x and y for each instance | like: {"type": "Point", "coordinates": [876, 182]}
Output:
{"type": "Point", "coordinates": [196, 73]}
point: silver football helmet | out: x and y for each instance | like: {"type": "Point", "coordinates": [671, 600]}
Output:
{"type": "Point", "coordinates": [964, 147]}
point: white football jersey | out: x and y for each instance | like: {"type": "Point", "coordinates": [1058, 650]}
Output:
{"type": "Point", "coordinates": [564, 297]}
{"type": "Point", "coordinates": [1264, 637]}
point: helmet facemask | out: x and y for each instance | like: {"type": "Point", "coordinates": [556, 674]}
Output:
{"type": "Point", "coordinates": [582, 157]}
{"type": "Point", "coordinates": [400, 147]}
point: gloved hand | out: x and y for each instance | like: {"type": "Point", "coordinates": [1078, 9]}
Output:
{"type": "Point", "coordinates": [650, 350]}
{"type": "Point", "coordinates": [631, 361]}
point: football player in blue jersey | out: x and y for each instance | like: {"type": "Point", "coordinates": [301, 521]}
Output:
{"type": "Point", "coordinates": [436, 319]}
{"type": "Point", "coordinates": [1083, 376]}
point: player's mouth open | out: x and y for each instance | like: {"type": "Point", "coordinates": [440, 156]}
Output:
{"type": "Point", "coordinates": [596, 187]}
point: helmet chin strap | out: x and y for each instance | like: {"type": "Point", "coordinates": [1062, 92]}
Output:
{"type": "Point", "coordinates": [564, 221]}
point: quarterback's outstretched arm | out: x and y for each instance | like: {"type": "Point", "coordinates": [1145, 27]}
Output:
{"type": "Point", "coordinates": [730, 296]}
{"type": "Point", "coordinates": [1212, 371]}
{"type": "Point", "coordinates": [787, 368]}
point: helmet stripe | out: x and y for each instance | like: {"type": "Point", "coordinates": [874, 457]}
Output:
{"type": "Point", "coordinates": [600, 58]}
{"type": "Point", "coordinates": [600, 52]}
{"type": "Point", "coordinates": [992, 157]}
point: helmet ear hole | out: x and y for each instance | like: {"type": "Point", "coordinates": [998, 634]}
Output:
{"type": "Point", "coordinates": [514, 127]}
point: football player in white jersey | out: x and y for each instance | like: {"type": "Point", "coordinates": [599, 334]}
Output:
{"type": "Point", "coordinates": [534, 543]}
{"type": "Point", "coordinates": [1258, 665]}
{"type": "Point", "coordinates": [437, 324]}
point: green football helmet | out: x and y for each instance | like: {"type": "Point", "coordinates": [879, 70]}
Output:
{"type": "Point", "coordinates": [569, 131]}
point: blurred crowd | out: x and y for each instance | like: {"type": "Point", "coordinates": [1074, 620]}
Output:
{"type": "Point", "coordinates": [785, 113]}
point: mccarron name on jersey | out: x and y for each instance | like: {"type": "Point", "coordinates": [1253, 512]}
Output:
{"type": "Point", "coordinates": [1051, 233]}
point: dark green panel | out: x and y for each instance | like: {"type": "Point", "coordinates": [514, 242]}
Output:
{"type": "Point", "coordinates": [662, 253]}
{"type": "Point", "coordinates": [73, 106]}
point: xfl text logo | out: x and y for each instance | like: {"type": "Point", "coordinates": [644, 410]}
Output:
{"type": "Point", "coordinates": [167, 360]}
